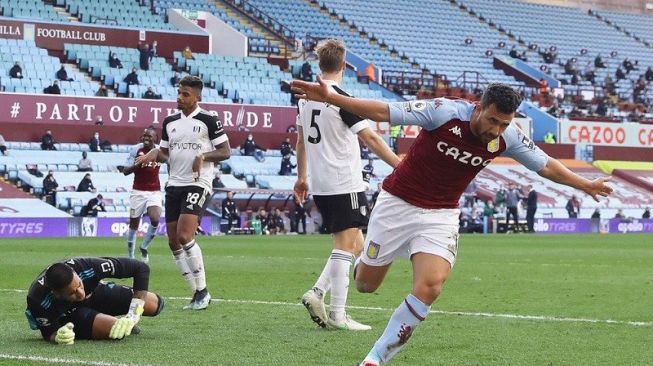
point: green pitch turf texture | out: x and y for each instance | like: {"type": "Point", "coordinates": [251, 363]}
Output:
{"type": "Point", "coordinates": [586, 300]}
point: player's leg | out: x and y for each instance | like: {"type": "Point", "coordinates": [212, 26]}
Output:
{"type": "Point", "coordinates": [137, 206]}
{"type": "Point", "coordinates": [131, 235]}
{"type": "Point", "coordinates": [154, 213]}
{"type": "Point", "coordinates": [173, 210]}
{"type": "Point", "coordinates": [191, 209]}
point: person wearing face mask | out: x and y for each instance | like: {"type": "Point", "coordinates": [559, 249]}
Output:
{"type": "Point", "coordinates": [95, 142]}
{"type": "Point", "coordinates": [68, 301]}
{"type": "Point", "coordinates": [251, 148]}
{"type": "Point", "coordinates": [50, 186]}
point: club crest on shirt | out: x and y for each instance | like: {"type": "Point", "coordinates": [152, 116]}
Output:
{"type": "Point", "coordinates": [373, 250]}
{"type": "Point", "coordinates": [493, 146]}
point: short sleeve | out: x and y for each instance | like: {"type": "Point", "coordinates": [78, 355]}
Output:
{"type": "Point", "coordinates": [164, 136]}
{"type": "Point", "coordinates": [428, 114]}
{"type": "Point", "coordinates": [132, 154]}
{"type": "Point", "coordinates": [521, 148]}
{"type": "Point", "coordinates": [216, 131]}
{"type": "Point", "coordinates": [354, 122]}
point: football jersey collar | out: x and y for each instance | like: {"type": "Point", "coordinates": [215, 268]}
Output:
{"type": "Point", "coordinates": [193, 113]}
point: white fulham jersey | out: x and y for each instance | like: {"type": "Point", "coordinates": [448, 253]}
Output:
{"type": "Point", "coordinates": [332, 149]}
{"type": "Point", "coordinates": [186, 137]}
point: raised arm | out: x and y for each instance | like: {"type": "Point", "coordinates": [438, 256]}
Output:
{"type": "Point", "coordinates": [557, 172]}
{"type": "Point", "coordinates": [321, 92]}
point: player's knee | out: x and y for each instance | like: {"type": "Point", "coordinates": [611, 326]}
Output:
{"type": "Point", "coordinates": [428, 291]}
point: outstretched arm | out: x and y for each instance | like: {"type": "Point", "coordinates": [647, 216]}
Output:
{"type": "Point", "coordinates": [379, 147]}
{"type": "Point", "coordinates": [555, 171]}
{"type": "Point", "coordinates": [321, 92]}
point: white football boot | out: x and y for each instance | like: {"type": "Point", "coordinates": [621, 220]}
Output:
{"type": "Point", "coordinates": [314, 303]}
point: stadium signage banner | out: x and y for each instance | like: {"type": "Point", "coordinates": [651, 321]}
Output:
{"type": "Point", "coordinates": [606, 134]}
{"type": "Point", "coordinates": [53, 36]}
{"type": "Point", "coordinates": [562, 226]}
{"type": "Point", "coordinates": [79, 111]}
{"type": "Point", "coordinates": [631, 226]}
{"type": "Point", "coordinates": [33, 227]}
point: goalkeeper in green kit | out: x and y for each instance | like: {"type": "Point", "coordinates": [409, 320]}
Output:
{"type": "Point", "coordinates": [68, 300]}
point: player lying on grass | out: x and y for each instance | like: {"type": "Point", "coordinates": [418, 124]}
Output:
{"type": "Point", "coordinates": [68, 301]}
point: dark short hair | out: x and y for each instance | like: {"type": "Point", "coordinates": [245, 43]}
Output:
{"type": "Point", "coordinates": [505, 98]}
{"type": "Point", "coordinates": [193, 82]}
{"type": "Point", "coordinates": [58, 276]}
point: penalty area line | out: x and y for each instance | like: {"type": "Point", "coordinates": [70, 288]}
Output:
{"type": "Point", "coordinates": [65, 361]}
{"type": "Point", "coordinates": [545, 318]}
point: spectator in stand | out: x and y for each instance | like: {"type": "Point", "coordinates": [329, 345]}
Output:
{"type": "Point", "coordinates": [102, 91]}
{"type": "Point", "coordinates": [531, 208]}
{"type": "Point", "coordinates": [86, 184]}
{"type": "Point", "coordinates": [16, 72]}
{"type": "Point", "coordinates": [602, 108]}
{"type": "Point", "coordinates": [280, 225]}
{"type": "Point", "coordinates": [93, 206]}
{"type": "Point", "coordinates": [639, 90]}
{"type": "Point", "coordinates": [300, 214]}
{"type": "Point", "coordinates": [150, 94]}
{"type": "Point", "coordinates": [132, 78]}
{"type": "Point", "coordinates": [99, 121]}
{"type": "Point", "coordinates": [574, 79]}
{"type": "Point", "coordinates": [649, 74]}
{"type": "Point", "coordinates": [573, 207]}
{"type": "Point", "coordinates": [588, 72]}
{"type": "Point", "coordinates": [47, 141]}
{"type": "Point", "coordinates": [599, 63]}
{"type": "Point", "coordinates": [596, 214]}
{"type": "Point", "coordinates": [52, 89]}
{"type": "Point", "coordinates": [217, 181]}
{"type": "Point", "coordinates": [620, 214]}
{"type": "Point", "coordinates": [619, 74]}
{"type": "Point", "coordinates": [513, 52]}
{"type": "Point", "coordinates": [544, 87]}
{"type": "Point", "coordinates": [306, 72]}
{"type": "Point", "coordinates": [187, 53]}
{"type": "Point", "coordinates": [365, 151]}
{"type": "Point", "coordinates": [144, 57]}
{"type": "Point", "coordinates": [286, 148]}
{"type": "Point", "coordinates": [569, 67]}
{"type": "Point", "coordinates": [262, 216]}
{"type": "Point", "coordinates": [114, 61]}
{"type": "Point", "coordinates": [62, 74]}
{"type": "Point", "coordinates": [500, 197]}
{"type": "Point", "coordinates": [549, 138]}
{"type": "Point", "coordinates": [3, 145]}
{"type": "Point", "coordinates": [50, 186]}
{"type": "Point", "coordinates": [85, 164]}
{"type": "Point", "coordinates": [470, 194]}
{"type": "Point", "coordinates": [286, 166]}
{"type": "Point", "coordinates": [647, 213]}
{"type": "Point", "coordinates": [513, 196]}
{"type": "Point", "coordinates": [174, 81]}
{"type": "Point", "coordinates": [250, 148]}
{"type": "Point", "coordinates": [627, 65]}
{"type": "Point", "coordinates": [152, 50]}
{"type": "Point", "coordinates": [95, 143]}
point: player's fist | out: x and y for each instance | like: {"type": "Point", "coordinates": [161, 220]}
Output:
{"type": "Point", "coordinates": [65, 335]}
{"type": "Point", "coordinates": [121, 328]}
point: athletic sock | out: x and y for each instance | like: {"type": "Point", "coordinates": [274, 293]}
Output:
{"type": "Point", "coordinates": [149, 235]}
{"type": "Point", "coordinates": [131, 240]}
{"type": "Point", "coordinates": [182, 264]}
{"type": "Point", "coordinates": [405, 319]}
{"type": "Point", "coordinates": [341, 262]}
{"type": "Point", "coordinates": [196, 263]}
{"type": "Point", "coordinates": [323, 283]}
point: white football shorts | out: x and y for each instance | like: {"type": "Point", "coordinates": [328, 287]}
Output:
{"type": "Point", "coordinates": [139, 201]}
{"type": "Point", "coordinates": [398, 228]}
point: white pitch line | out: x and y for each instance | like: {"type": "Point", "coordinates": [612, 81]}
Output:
{"type": "Point", "coordinates": [443, 312]}
{"type": "Point", "coordinates": [65, 361]}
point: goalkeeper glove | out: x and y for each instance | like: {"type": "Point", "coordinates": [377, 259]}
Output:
{"type": "Point", "coordinates": [121, 328]}
{"type": "Point", "coordinates": [65, 335]}
{"type": "Point", "coordinates": [136, 308]}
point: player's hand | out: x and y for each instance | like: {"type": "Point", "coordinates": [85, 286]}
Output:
{"type": "Point", "coordinates": [136, 308]}
{"type": "Point", "coordinates": [150, 157]}
{"type": "Point", "coordinates": [65, 335]}
{"type": "Point", "coordinates": [318, 92]}
{"type": "Point", "coordinates": [301, 190]}
{"type": "Point", "coordinates": [598, 187]}
{"type": "Point", "coordinates": [121, 328]}
{"type": "Point", "coordinates": [197, 166]}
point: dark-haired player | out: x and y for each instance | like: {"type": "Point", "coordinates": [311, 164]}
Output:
{"type": "Point", "coordinates": [146, 194]}
{"type": "Point", "coordinates": [416, 214]}
{"type": "Point", "coordinates": [192, 141]}
{"type": "Point", "coordinates": [67, 301]}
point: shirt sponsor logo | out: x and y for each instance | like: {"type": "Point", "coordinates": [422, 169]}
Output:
{"type": "Point", "coordinates": [185, 146]}
{"type": "Point", "coordinates": [461, 156]}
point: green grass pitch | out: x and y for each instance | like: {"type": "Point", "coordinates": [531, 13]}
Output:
{"type": "Point", "coordinates": [585, 300]}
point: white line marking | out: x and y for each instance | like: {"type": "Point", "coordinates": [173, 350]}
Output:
{"type": "Point", "coordinates": [65, 361]}
{"type": "Point", "coordinates": [443, 312]}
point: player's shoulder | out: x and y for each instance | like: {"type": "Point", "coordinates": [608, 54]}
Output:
{"type": "Point", "coordinates": [513, 134]}
{"type": "Point", "coordinates": [171, 118]}
{"type": "Point", "coordinates": [340, 90]}
{"type": "Point", "coordinates": [454, 108]}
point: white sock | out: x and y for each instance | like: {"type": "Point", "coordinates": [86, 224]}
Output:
{"type": "Point", "coordinates": [147, 240]}
{"type": "Point", "coordinates": [196, 263]}
{"type": "Point", "coordinates": [131, 240]}
{"type": "Point", "coordinates": [401, 326]}
{"type": "Point", "coordinates": [181, 262]}
{"type": "Point", "coordinates": [339, 273]}
{"type": "Point", "coordinates": [323, 283]}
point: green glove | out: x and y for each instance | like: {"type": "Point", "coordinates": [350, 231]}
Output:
{"type": "Point", "coordinates": [65, 335]}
